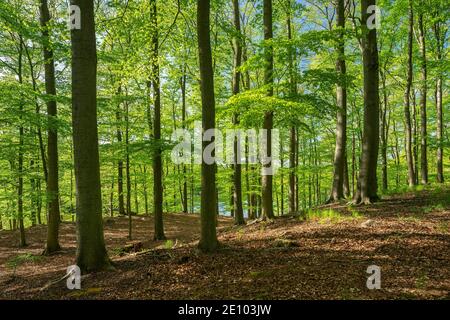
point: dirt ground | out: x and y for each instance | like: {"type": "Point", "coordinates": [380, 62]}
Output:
{"type": "Point", "coordinates": [407, 236]}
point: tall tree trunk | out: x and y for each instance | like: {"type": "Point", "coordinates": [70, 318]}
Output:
{"type": "Point", "coordinates": [91, 251]}
{"type": "Point", "coordinates": [292, 168]}
{"type": "Point", "coordinates": [22, 241]}
{"type": "Point", "coordinates": [368, 186]}
{"type": "Point", "coordinates": [423, 102]}
{"type": "Point", "coordinates": [33, 201]}
{"type": "Point", "coordinates": [127, 170]}
{"type": "Point", "coordinates": [52, 145]}
{"type": "Point", "coordinates": [136, 195]}
{"type": "Point", "coordinates": [144, 173]}
{"type": "Point", "coordinates": [208, 236]}
{"type": "Point", "coordinates": [408, 129]}
{"type": "Point", "coordinates": [267, 177]}
{"type": "Point", "coordinates": [438, 97]}
{"type": "Point", "coordinates": [337, 190]}
{"type": "Point", "coordinates": [111, 198]}
{"type": "Point", "coordinates": [293, 131]}
{"type": "Point", "coordinates": [297, 180]}
{"type": "Point", "coordinates": [183, 119]}
{"type": "Point", "coordinates": [281, 178]}
{"type": "Point", "coordinates": [383, 135]}
{"type": "Point", "coordinates": [346, 186]}
{"type": "Point", "coordinates": [415, 137]}
{"type": "Point", "coordinates": [157, 161]}
{"type": "Point", "coordinates": [120, 161]}
{"type": "Point", "coordinates": [237, 174]}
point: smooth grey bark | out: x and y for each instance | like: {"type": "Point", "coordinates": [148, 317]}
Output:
{"type": "Point", "coordinates": [367, 183]}
{"type": "Point", "coordinates": [91, 251]}
{"type": "Point", "coordinates": [337, 190]}
{"type": "Point", "coordinates": [208, 235]}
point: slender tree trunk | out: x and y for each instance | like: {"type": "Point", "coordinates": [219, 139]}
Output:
{"type": "Point", "coordinates": [383, 135]}
{"type": "Point", "coordinates": [293, 131]}
{"type": "Point", "coordinates": [157, 160]}
{"type": "Point", "coordinates": [368, 186]}
{"type": "Point", "coordinates": [22, 241]}
{"type": "Point", "coordinates": [267, 177]}
{"type": "Point", "coordinates": [120, 162]}
{"type": "Point", "coordinates": [423, 103]}
{"type": "Point", "coordinates": [183, 119]}
{"type": "Point", "coordinates": [438, 97]}
{"type": "Point", "coordinates": [91, 251]}
{"type": "Point", "coordinates": [33, 201]}
{"type": "Point", "coordinates": [247, 181]}
{"type": "Point", "coordinates": [52, 145]}
{"type": "Point", "coordinates": [136, 195]}
{"type": "Point", "coordinates": [408, 129]}
{"type": "Point", "coordinates": [281, 177]}
{"type": "Point", "coordinates": [111, 198]}
{"type": "Point", "coordinates": [208, 236]}
{"type": "Point", "coordinates": [337, 190]}
{"type": "Point", "coordinates": [297, 159]}
{"type": "Point", "coordinates": [346, 186]}
{"type": "Point", "coordinates": [237, 174]}
{"type": "Point", "coordinates": [292, 167]}
{"type": "Point", "coordinates": [127, 170]}
{"type": "Point", "coordinates": [415, 137]}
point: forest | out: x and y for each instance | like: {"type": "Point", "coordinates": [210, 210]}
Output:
{"type": "Point", "coordinates": [224, 149]}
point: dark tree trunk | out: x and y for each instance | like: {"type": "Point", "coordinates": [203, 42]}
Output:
{"type": "Point", "coordinates": [208, 236]}
{"type": "Point", "coordinates": [367, 183]}
{"type": "Point", "coordinates": [157, 160]}
{"type": "Point", "coordinates": [91, 251]}
{"type": "Point", "coordinates": [237, 174]}
{"type": "Point", "coordinates": [52, 145]}
{"type": "Point", "coordinates": [267, 177]}
{"type": "Point", "coordinates": [337, 190]}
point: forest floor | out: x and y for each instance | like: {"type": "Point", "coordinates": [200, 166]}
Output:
{"type": "Point", "coordinates": [325, 257]}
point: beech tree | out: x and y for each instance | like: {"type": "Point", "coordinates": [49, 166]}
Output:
{"type": "Point", "coordinates": [91, 251]}
{"type": "Point", "coordinates": [52, 145]}
{"type": "Point", "coordinates": [367, 191]}
{"type": "Point", "coordinates": [208, 237]}
{"type": "Point", "coordinates": [267, 181]}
